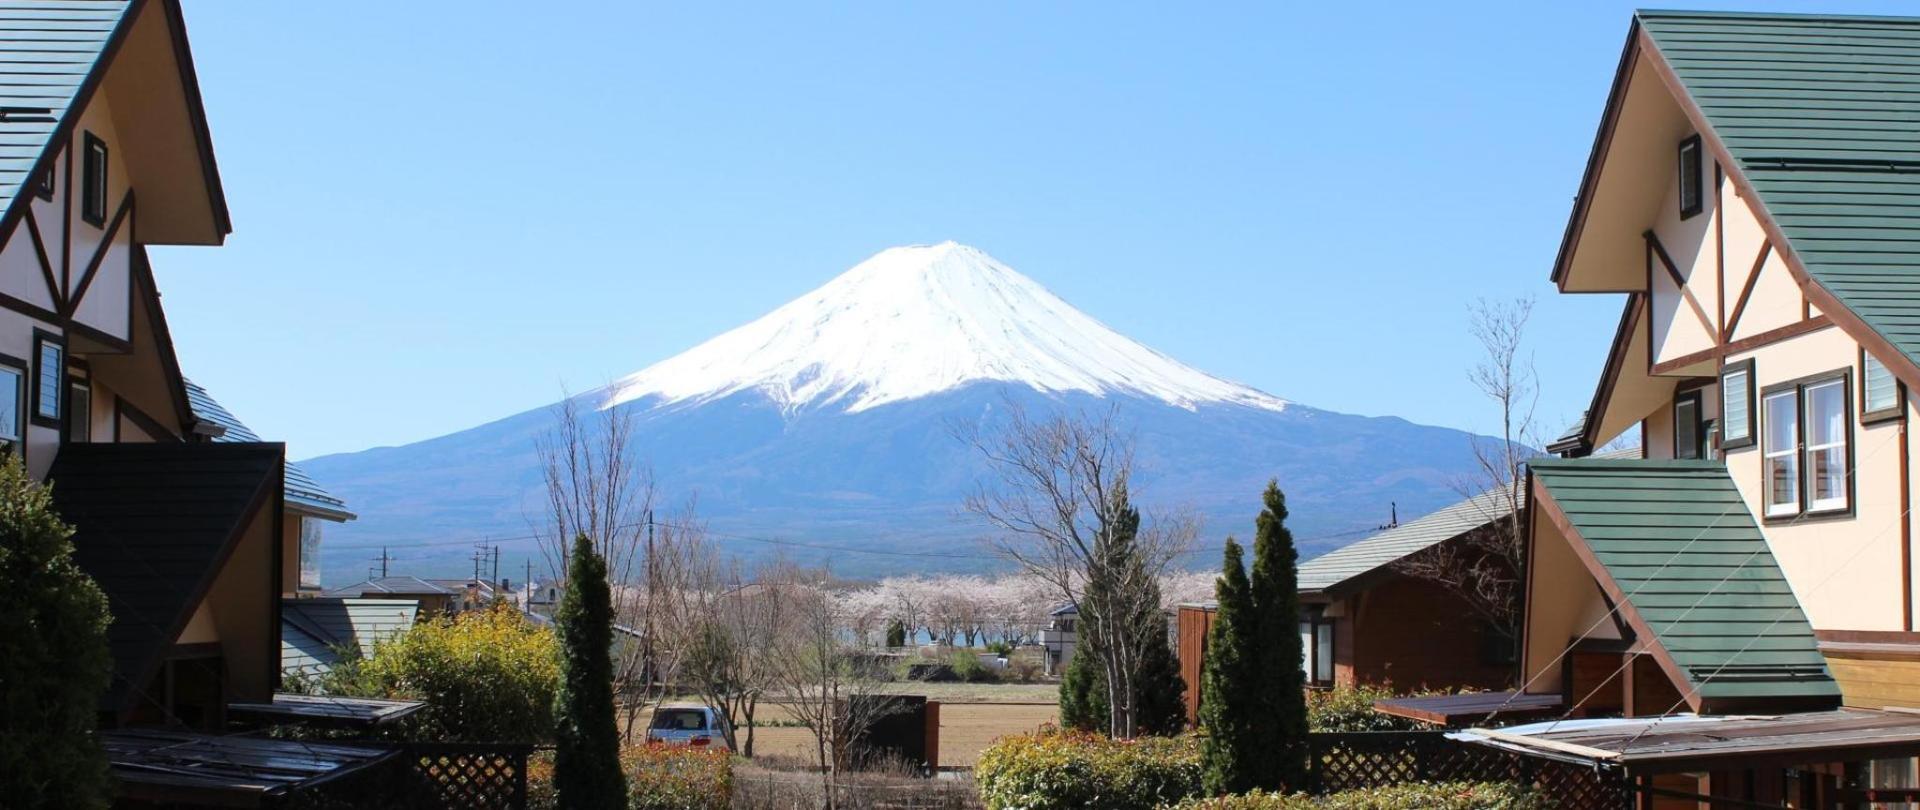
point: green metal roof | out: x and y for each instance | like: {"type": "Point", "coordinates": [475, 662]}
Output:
{"type": "Point", "coordinates": [50, 47]}
{"type": "Point", "coordinates": [1823, 115]}
{"type": "Point", "coordinates": [1680, 545]}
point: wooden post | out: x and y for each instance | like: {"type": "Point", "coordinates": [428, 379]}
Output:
{"type": "Point", "coordinates": [933, 737]}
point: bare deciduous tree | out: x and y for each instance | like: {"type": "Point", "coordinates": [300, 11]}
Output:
{"type": "Point", "coordinates": [596, 488]}
{"type": "Point", "coordinates": [1058, 500]}
{"type": "Point", "coordinates": [1484, 570]}
{"type": "Point", "coordinates": [732, 655]}
{"type": "Point", "coordinates": [832, 691]}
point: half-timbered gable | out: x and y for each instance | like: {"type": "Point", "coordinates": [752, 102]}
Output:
{"type": "Point", "coordinates": [103, 150]}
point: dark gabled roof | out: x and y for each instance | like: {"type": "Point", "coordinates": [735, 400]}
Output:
{"type": "Point", "coordinates": [302, 490]}
{"type": "Point", "coordinates": [313, 631]}
{"type": "Point", "coordinates": [153, 524]}
{"type": "Point", "coordinates": [1822, 113]}
{"type": "Point", "coordinates": [1349, 563]}
{"type": "Point", "coordinates": [1679, 545]}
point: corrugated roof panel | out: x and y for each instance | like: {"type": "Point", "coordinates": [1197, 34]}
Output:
{"type": "Point", "coordinates": [1678, 541]}
{"type": "Point", "coordinates": [1823, 115]}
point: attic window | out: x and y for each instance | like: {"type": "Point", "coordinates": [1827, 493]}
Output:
{"type": "Point", "coordinates": [44, 188]}
{"type": "Point", "coordinates": [93, 182]}
{"type": "Point", "coordinates": [1692, 192]}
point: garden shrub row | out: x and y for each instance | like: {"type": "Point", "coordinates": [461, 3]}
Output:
{"type": "Point", "coordinates": [1061, 770]}
{"type": "Point", "coordinates": [1427, 796]}
{"type": "Point", "coordinates": [658, 778]}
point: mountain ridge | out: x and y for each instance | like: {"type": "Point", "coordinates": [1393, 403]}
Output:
{"type": "Point", "coordinates": [830, 421]}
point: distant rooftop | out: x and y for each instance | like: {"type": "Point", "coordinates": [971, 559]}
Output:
{"type": "Point", "coordinates": [1340, 566]}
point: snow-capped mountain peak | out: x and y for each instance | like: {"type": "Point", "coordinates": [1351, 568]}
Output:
{"type": "Point", "coordinates": [918, 320]}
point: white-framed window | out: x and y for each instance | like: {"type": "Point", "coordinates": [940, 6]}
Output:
{"type": "Point", "coordinates": [1807, 454]}
{"type": "Point", "coordinates": [1826, 417]}
{"type": "Point", "coordinates": [1881, 396]}
{"type": "Point", "coordinates": [1781, 412]}
{"type": "Point", "coordinates": [1316, 650]}
{"type": "Point", "coordinates": [1736, 406]}
{"type": "Point", "coordinates": [310, 530]}
{"type": "Point", "coordinates": [13, 397]}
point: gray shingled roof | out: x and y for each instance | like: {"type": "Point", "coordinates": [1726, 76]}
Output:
{"type": "Point", "coordinates": [408, 585]}
{"type": "Point", "coordinates": [302, 490]}
{"type": "Point", "coordinates": [1329, 571]}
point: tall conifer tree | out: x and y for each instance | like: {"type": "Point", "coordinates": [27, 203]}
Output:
{"type": "Point", "coordinates": [1279, 714]}
{"type": "Point", "coordinates": [586, 765]}
{"type": "Point", "coordinates": [1226, 700]}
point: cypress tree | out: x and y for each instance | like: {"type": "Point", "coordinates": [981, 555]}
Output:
{"type": "Point", "coordinates": [1279, 714]}
{"type": "Point", "coordinates": [1159, 692]}
{"type": "Point", "coordinates": [896, 634]}
{"type": "Point", "coordinates": [1229, 756]}
{"type": "Point", "coordinates": [1083, 692]}
{"type": "Point", "coordinates": [54, 664]}
{"type": "Point", "coordinates": [586, 765]}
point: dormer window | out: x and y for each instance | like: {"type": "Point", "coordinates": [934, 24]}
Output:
{"type": "Point", "coordinates": [93, 182]}
{"type": "Point", "coordinates": [1693, 196]}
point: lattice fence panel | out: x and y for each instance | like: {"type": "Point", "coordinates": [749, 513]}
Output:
{"type": "Point", "coordinates": [1376, 759]}
{"type": "Point", "coordinates": [471, 777]}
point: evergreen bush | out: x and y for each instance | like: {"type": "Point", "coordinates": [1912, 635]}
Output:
{"type": "Point", "coordinates": [54, 664]}
{"type": "Point", "coordinates": [586, 763]}
{"type": "Point", "coordinates": [1062, 770]}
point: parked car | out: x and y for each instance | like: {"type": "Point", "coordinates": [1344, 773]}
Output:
{"type": "Point", "coordinates": [688, 724]}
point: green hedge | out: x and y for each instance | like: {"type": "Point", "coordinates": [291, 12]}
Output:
{"type": "Point", "coordinates": [1350, 708]}
{"type": "Point", "coordinates": [1062, 770]}
{"type": "Point", "coordinates": [1441, 796]}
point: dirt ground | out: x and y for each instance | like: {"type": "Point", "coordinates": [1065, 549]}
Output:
{"type": "Point", "coordinates": [971, 717]}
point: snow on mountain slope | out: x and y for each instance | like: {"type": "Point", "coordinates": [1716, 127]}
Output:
{"type": "Point", "coordinates": [915, 321]}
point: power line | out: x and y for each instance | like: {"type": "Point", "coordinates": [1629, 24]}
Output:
{"type": "Point", "coordinates": [806, 544]}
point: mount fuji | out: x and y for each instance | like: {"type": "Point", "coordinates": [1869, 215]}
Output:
{"type": "Point", "coordinates": [828, 425]}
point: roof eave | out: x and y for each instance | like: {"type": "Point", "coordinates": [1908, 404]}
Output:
{"type": "Point", "coordinates": [1596, 157]}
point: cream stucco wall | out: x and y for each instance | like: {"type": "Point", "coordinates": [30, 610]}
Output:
{"type": "Point", "coordinates": [1564, 605]}
{"type": "Point", "coordinates": [1845, 569]}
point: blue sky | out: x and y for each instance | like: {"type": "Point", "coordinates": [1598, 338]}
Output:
{"type": "Point", "coordinates": [448, 213]}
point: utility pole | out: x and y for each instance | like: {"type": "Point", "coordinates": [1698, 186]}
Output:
{"type": "Point", "coordinates": [382, 560]}
{"type": "Point", "coordinates": [646, 639]}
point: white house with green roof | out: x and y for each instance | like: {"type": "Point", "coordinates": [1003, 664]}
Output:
{"type": "Point", "coordinates": [1753, 196]}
